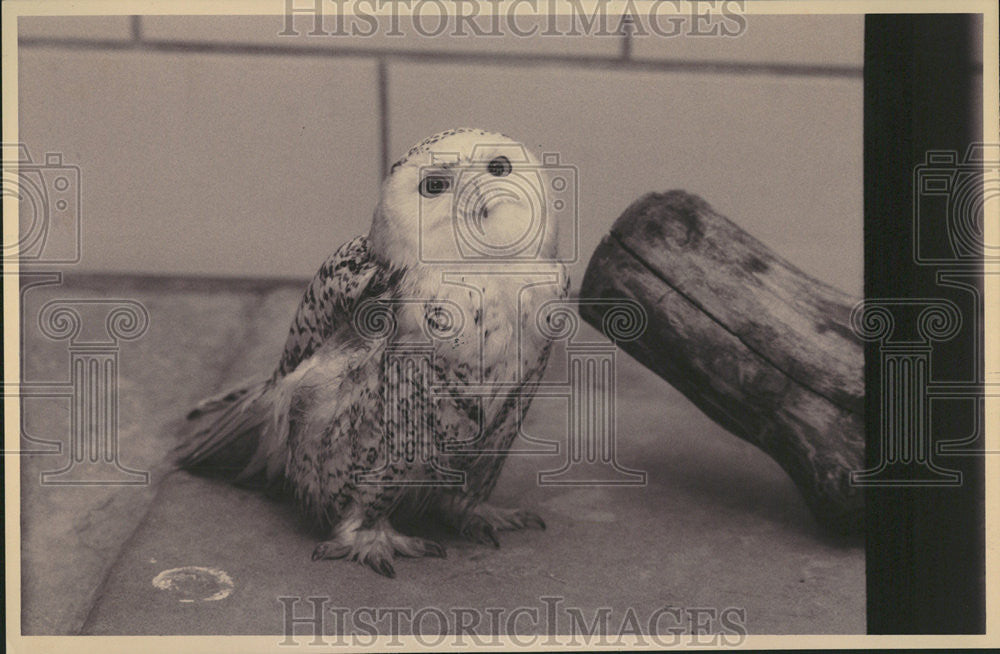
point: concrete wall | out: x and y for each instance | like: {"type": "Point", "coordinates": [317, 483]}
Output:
{"type": "Point", "coordinates": [212, 145]}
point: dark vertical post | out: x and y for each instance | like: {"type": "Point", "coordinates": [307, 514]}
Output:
{"type": "Point", "coordinates": [135, 26]}
{"type": "Point", "coordinates": [382, 81]}
{"type": "Point", "coordinates": [925, 543]}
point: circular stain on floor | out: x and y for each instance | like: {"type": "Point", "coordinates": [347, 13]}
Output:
{"type": "Point", "coordinates": [195, 584]}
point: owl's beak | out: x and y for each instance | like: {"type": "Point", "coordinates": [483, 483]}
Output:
{"type": "Point", "coordinates": [491, 204]}
{"type": "Point", "coordinates": [494, 198]}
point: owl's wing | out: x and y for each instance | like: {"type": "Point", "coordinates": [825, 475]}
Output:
{"type": "Point", "coordinates": [349, 277]}
{"type": "Point", "coordinates": [229, 429]}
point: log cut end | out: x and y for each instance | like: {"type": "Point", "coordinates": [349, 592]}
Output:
{"type": "Point", "coordinates": [762, 348]}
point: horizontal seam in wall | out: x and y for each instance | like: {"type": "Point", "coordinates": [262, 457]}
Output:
{"type": "Point", "coordinates": [514, 59]}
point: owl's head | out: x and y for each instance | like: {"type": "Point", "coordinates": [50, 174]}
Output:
{"type": "Point", "coordinates": [465, 196]}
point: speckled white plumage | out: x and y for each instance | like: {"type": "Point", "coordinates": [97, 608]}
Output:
{"type": "Point", "coordinates": [320, 423]}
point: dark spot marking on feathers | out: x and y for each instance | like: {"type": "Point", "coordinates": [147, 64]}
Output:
{"type": "Point", "coordinates": [435, 138]}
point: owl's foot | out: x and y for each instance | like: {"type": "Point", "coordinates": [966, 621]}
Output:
{"type": "Point", "coordinates": [376, 547]}
{"type": "Point", "coordinates": [483, 522]}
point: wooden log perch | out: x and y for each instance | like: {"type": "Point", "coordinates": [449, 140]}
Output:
{"type": "Point", "coordinates": [762, 348]}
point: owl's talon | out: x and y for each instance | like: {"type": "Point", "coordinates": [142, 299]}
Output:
{"type": "Point", "coordinates": [413, 547]}
{"type": "Point", "coordinates": [480, 531]}
{"type": "Point", "coordinates": [436, 550]}
{"type": "Point", "coordinates": [489, 535]}
{"type": "Point", "coordinates": [381, 566]}
{"type": "Point", "coordinates": [330, 549]}
{"type": "Point", "coordinates": [375, 547]}
{"type": "Point", "coordinates": [530, 519]}
{"type": "Point", "coordinates": [505, 519]}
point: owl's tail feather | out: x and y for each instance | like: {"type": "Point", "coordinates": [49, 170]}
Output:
{"type": "Point", "coordinates": [220, 401]}
{"type": "Point", "coordinates": [225, 431]}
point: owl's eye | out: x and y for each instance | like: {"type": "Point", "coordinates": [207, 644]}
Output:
{"type": "Point", "coordinates": [500, 167]}
{"type": "Point", "coordinates": [433, 185]}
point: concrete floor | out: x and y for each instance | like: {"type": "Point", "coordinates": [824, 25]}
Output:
{"type": "Point", "coordinates": [717, 526]}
